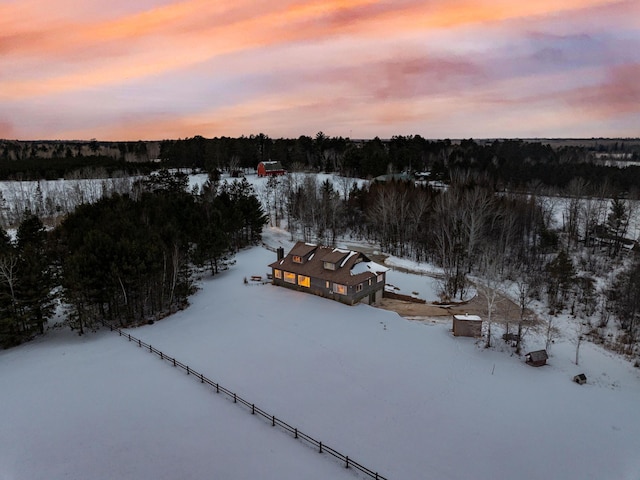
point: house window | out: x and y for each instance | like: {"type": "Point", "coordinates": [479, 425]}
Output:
{"type": "Point", "coordinates": [297, 259]}
{"type": "Point", "coordinates": [340, 289]}
{"type": "Point", "coordinates": [277, 273]}
{"type": "Point", "coordinates": [359, 287]}
{"type": "Point", "coordinates": [370, 282]}
{"type": "Point", "coordinates": [289, 277]}
{"type": "Point", "coordinates": [380, 277]}
{"type": "Point", "coordinates": [304, 281]}
{"type": "Point", "coordinates": [329, 265]}
{"type": "Point", "coordinates": [327, 284]}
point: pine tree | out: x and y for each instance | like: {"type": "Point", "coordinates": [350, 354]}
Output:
{"type": "Point", "coordinates": [35, 280]}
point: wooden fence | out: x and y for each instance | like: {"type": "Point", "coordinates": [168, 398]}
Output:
{"type": "Point", "coordinates": [275, 422]}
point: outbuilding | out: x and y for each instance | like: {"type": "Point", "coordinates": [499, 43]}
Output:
{"type": "Point", "coordinates": [537, 358]}
{"type": "Point", "coordinates": [268, 169]}
{"type": "Point", "coordinates": [580, 379]}
{"type": "Point", "coordinates": [467, 325]}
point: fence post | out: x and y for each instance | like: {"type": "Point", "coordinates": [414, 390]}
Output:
{"type": "Point", "coordinates": [129, 337]}
{"type": "Point", "coordinates": [150, 348]}
{"type": "Point", "coordinates": [234, 398]}
{"type": "Point", "coordinates": [188, 372]}
{"type": "Point", "coordinates": [320, 447]}
{"type": "Point", "coordinates": [139, 343]}
{"type": "Point", "coordinates": [347, 466]}
{"type": "Point", "coordinates": [201, 378]}
{"type": "Point", "coordinates": [296, 433]}
{"type": "Point", "coordinates": [217, 388]}
{"type": "Point", "coordinates": [174, 361]}
{"type": "Point", "coordinates": [161, 356]}
{"type": "Point", "coordinates": [273, 420]}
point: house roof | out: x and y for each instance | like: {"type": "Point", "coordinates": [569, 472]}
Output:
{"type": "Point", "coordinates": [335, 256]}
{"type": "Point", "coordinates": [302, 249]}
{"type": "Point", "coordinates": [351, 267]}
{"type": "Point", "coordinates": [538, 355]}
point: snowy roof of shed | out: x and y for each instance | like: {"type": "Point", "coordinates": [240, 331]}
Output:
{"type": "Point", "coordinates": [466, 316]}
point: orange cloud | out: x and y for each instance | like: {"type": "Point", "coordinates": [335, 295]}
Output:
{"type": "Point", "coordinates": [84, 53]}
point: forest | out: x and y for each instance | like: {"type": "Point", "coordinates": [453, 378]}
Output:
{"type": "Point", "coordinates": [556, 223]}
{"type": "Point", "coordinates": [126, 258]}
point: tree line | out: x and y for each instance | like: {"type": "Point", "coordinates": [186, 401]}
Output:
{"type": "Point", "coordinates": [126, 258]}
{"type": "Point", "coordinates": [512, 164]}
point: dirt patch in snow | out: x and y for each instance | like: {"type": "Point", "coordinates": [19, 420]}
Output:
{"type": "Point", "coordinates": [505, 309]}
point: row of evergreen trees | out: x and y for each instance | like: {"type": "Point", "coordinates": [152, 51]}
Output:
{"type": "Point", "coordinates": [124, 259]}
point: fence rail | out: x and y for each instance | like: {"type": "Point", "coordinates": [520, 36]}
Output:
{"type": "Point", "coordinates": [275, 422]}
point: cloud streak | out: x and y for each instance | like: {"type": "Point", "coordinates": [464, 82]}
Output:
{"type": "Point", "coordinates": [290, 67]}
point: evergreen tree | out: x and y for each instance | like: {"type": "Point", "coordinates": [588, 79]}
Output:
{"type": "Point", "coordinates": [36, 302]}
{"type": "Point", "coordinates": [561, 278]}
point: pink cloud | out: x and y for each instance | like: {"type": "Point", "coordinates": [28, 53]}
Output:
{"type": "Point", "coordinates": [618, 94]}
{"type": "Point", "coordinates": [6, 130]}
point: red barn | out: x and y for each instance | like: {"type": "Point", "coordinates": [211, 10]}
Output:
{"type": "Point", "coordinates": [266, 169]}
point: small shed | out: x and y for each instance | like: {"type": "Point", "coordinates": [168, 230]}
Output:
{"type": "Point", "coordinates": [267, 169]}
{"type": "Point", "coordinates": [467, 325]}
{"type": "Point", "coordinates": [580, 379]}
{"type": "Point", "coordinates": [537, 358]}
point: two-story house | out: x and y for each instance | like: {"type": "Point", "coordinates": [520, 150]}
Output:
{"type": "Point", "coordinates": [342, 275]}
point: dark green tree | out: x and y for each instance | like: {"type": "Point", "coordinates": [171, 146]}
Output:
{"type": "Point", "coordinates": [36, 302]}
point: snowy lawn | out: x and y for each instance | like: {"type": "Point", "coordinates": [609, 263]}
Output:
{"type": "Point", "coordinates": [403, 398]}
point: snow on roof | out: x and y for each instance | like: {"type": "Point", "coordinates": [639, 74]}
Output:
{"type": "Point", "coordinates": [466, 316]}
{"type": "Point", "coordinates": [351, 254]}
{"type": "Point", "coordinates": [364, 267]}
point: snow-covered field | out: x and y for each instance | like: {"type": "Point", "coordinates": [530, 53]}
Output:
{"type": "Point", "coordinates": [403, 398]}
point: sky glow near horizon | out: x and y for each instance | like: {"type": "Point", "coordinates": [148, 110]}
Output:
{"type": "Point", "coordinates": [156, 69]}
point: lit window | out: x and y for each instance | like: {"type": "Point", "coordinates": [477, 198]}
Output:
{"type": "Point", "coordinates": [304, 281]}
{"type": "Point", "coordinates": [277, 273]}
{"type": "Point", "coordinates": [289, 277]}
{"type": "Point", "coordinates": [340, 289]}
{"type": "Point", "coordinates": [370, 282]}
{"type": "Point", "coordinates": [329, 266]}
{"type": "Point", "coordinates": [328, 284]}
{"type": "Point", "coordinates": [297, 259]}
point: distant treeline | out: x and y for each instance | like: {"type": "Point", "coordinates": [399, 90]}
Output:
{"type": "Point", "coordinates": [72, 167]}
{"type": "Point", "coordinates": [510, 164]}
{"type": "Point", "coordinates": [513, 164]}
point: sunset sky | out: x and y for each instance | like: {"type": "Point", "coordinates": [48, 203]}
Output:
{"type": "Point", "coordinates": [156, 69]}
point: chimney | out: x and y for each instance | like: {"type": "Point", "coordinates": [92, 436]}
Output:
{"type": "Point", "coordinates": [280, 252]}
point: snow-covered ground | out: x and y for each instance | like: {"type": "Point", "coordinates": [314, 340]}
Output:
{"type": "Point", "coordinates": [401, 397]}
